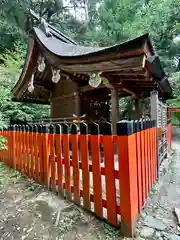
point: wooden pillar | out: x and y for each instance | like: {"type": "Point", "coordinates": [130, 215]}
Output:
{"type": "Point", "coordinates": [115, 108]}
{"type": "Point", "coordinates": [154, 106]}
{"type": "Point", "coordinates": [169, 114]}
{"type": "Point", "coordinates": [154, 116]}
{"type": "Point", "coordinates": [77, 104]}
{"type": "Point", "coordinates": [137, 109]}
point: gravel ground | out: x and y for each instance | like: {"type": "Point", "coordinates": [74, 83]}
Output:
{"type": "Point", "coordinates": [157, 220]}
{"type": "Point", "coordinates": [29, 211]}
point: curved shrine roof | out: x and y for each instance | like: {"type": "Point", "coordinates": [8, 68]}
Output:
{"type": "Point", "coordinates": [132, 63]}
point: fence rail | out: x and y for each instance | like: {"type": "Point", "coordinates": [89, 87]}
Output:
{"type": "Point", "coordinates": [105, 174]}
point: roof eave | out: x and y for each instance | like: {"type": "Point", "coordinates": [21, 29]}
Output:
{"type": "Point", "coordinates": [154, 66]}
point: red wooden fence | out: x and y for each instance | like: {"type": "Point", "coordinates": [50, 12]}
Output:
{"type": "Point", "coordinates": [169, 136]}
{"type": "Point", "coordinates": [69, 162]}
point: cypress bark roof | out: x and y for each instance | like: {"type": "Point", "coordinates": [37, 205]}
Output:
{"type": "Point", "coordinates": [131, 65]}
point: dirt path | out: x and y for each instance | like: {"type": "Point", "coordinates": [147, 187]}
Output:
{"type": "Point", "coordinates": [157, 221]}
{"type": "Point", "coordinates": [29, 211]}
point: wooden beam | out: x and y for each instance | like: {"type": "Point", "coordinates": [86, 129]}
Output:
{"type": "Point", "coordinates": [46, 85]}
{"type": "Point", "coordinates": [173, 109]}
{"type": "Point", "coordinates": [115, 108]}
{"type": "Point", "coordinates": [89, 88]}
{"type": "Point", "coordinates": [29, 69]}
{"type": "Point", "coordinates": [126, 73]}
{"type": "Point", "coordinates": [134, 79]}
{"type": "Point", "coordinates": [70, 95]}
{"type": "Point", "coordinates": [77, 105]}
{"type": "Point", "coordinates": [119, 87]}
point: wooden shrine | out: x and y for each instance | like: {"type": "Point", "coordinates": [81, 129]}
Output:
{"type": "Point", "coordinates": [77, 80]}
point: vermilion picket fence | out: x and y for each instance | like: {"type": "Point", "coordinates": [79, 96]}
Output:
{"type": "Point", "coordinates": [112, 181]}
{"type": "Point", "coordinates": [169, 135]}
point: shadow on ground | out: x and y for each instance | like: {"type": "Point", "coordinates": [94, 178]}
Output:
{"type": "Point", "coordinates": [29, 211]}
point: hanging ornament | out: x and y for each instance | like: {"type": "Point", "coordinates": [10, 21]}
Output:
{"type": "Point", "coordinates": [95, 79]}
{"type": "Point", "coordinates": [41, 64]}
{"type": "Point", "coordinates": [56, 77]}
{"type": "Point", "coordinates": [31, 84]}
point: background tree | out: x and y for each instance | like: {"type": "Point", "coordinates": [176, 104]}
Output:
{"type": "Point", "coordinates": [9, 74]}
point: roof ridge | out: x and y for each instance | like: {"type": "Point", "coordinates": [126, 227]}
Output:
{"type": "Point", "coordinates": [52, 29]}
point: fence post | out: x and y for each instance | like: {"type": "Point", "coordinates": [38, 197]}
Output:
{"type": "Point", "coordinates": [52, 162]}
{"type": "Point", "coordinates": [13, 151]}
{"type": "Point", "coordinates": [23, 148]}
{"type": "Point", "coordinates": [96, 169]}
{"type": "Point", "coordinates": [169, 135]}
{"type": "Point", "coordinates": [85, 165]}
{"type": "Point", "coordinates": [9, 146]}
{"type": "Point", "coordinates": [66, 151]}
{"type": "Point", "coordinates": [36, 164]}
{"type": "Point", "coordinates": [75, 163]}
{"type": "Point", "coordinates": [43, 147]}
{"type": "Point", "coordinates": [108, 145]}
{"type": "Point", "coordinates": [20, 148]}
{"type": "Point", "coordinates": [27, 151]}
{"type": "Point", "coordinates": [58, 147]}
{"type": "Point", "coordinates": [139, 164]}
{"type": "Point", "coordinates": [126, 141]}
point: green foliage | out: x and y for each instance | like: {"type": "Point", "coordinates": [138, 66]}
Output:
{"type": "Point", "coordinates": [175, 83]}
{"type": "Point", "coordinates": [175, 103]}
{"type": "Point", "coordinates": [9, 74]}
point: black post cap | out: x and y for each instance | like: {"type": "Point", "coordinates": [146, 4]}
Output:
{"type": "Point", "coordinates": [27, 128]}
{"type": "Point", "coordinates": [43, 129]}
{"type": "Point", "coordinates": [153, 123]}
{"type": "Point", "coordinates": [147, 123]}
{"type": "Point", "coordinates": [52, 128]}
{"type": "Point", "coordinates": [141, 125]}
{"type": "Point", "coordinates": [58, 128]}
{"type": "Point", "coordinates": [136, 126]}
{"type": "Point", "coordinates": [74, 129]}
{"type": "Point", "coordinates": [23, 128]}
{"type": "Point", "coordinates": [124, 128]}
{"type": "Point", "coordinates": [94, 129]}
{"type": "Point", "coordinates": [35, 128]}
{"type": "Point", "coordinates": [106, 129]}
{"type": "Point", "coordinates": [83, 129]}
{"type": "Point", "coordinates": [65, 128]}
{"type": "Point", "coordinates": [144, 124]}
{"type": "Point", "coordinates": [30, 128]}
{"type": "Point", "coordinates": [39, 127]}
{"type": "Point", "coordinates": [13, 127]}
{"type": "Point", "coordinates": [133, 126]}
